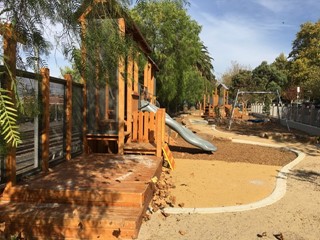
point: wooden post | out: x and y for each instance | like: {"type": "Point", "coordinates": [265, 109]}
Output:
{"type": "Point", "coordinates": [146, 78]}
{"type": "Point", "coordinates": [204, 103]}
{"type": "Point", "coordinates": [224, 97]}
{"type": "Point", "coordinates": [160, 118]}
{"type": "Point", "coordinates": [97, 108]}
{"type": "Point", "coordinates": [9, 52]}
{"type": "Point", "coordinates": [136, 75]}
{"type": "Point", "coordinates": [106, 103]}
{"type": "Point", "coordinates": [129, 95]}
{"type": "Point", "coordinates": [215, 98]}
{"type": "Point", "coordinates": [97, 92]}
{"type": "Point", "coordinates": [84, 82]}
{"type": "Point", "coordinates": [151, 83]}
{"type": "Point", "coordinates": [227, 97]}
{"type": "Point", "coordinates": [45, 92]}
{"type": "Point", "coordinates": [68, 78]}
{"type": "Point", "coordinates": [121, 85]}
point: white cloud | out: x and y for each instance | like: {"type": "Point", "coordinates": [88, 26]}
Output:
{"type": "Point", "coordinates": [275, 6]}
{"type": "Point", "coordinates": [233, 38]}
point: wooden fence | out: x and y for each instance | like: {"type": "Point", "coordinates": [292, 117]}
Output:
{"type": "Point", "coordinates": [149, 127]}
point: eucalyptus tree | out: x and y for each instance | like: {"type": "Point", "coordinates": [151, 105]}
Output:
{"type": "Point", "coordinates": [177, 49]}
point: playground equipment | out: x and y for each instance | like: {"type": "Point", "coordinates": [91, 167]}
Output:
{"type": "Point", "coordinates": [185, 133]}
{"type": "Point", "coordinates": [216, 105]}
{"type": "Point", "coordinates": [252, 92]}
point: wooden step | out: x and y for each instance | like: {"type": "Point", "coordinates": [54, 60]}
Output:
{"type": "Point", "coordinates": [140, 148]}
{"type": "Point", "coordinates": [61, 221]}
{"type": "Point", "coordinates": [132, 194]}
{"type": "Point", "coordinates": [95, 196]}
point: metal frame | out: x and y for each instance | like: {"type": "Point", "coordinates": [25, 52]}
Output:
{"type": "Point", "coordinates": [252, 92]}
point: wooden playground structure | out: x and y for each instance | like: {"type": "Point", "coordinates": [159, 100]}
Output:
{"type": "Point", "coordinates": [216, 105]}
{"type": "Point", "coordinates": [108, 186]}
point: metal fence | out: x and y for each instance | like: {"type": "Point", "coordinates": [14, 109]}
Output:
{"type": "Point", "coordinates": [28, 154]}
{"type": "Point", "coordinates": [306, 114]}
{"type": "Point", "coordinates": [302, 113]}
{"type": "Point", "coordinates": [27, 158]}
{"type": "Point", "coordinates": [77, 120]}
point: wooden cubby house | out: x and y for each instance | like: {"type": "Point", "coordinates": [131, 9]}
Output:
{"type": "Point", "coordinates": [113, 122]}
{"type": "Point", "coordinates": [89, 171]}
{"type": "Point", "coordinates": [216, 104]}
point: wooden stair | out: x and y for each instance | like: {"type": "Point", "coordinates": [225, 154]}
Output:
{"type": "Point", "coordinates": [140, 148]}
{"type": "Point", "coordinates": [108, 206]}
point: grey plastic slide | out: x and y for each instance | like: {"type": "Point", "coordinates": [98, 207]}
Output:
{"type": "Point", "coordinates": [184, 132]}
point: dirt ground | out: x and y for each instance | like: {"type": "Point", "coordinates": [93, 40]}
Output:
{"type": "Point", "coordinates": [248, 169]}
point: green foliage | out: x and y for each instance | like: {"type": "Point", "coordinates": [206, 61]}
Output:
{"type": "Point", "coordinates": [241, 81]}
{"type": "Point", "coordinates": [231, 72]}
{"type": "Point", "coordinates": [265, 77]}
{"type": "Point", "coordinates": [305, 60]}
{"type": "Point", "coordinates": [268, 78]}
{"type": "Point", "coordinates": [74, 72]}
{"type": "Point", "coordinates": [184, 62]}
{"type": "Point", "coordinates": [8, 122]}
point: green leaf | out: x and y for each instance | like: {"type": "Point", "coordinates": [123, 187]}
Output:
{"type": "Point", "coordinates": [8, 122]}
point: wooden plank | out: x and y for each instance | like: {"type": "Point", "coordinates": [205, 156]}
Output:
{"type": "Point", "coordinates": [129, 94]}
{"type": "Point", "coordinates": [152, 79]}
{"type": "Point", "coordinates": [96, 108]}
{"type": "Point", "coordinates": [146, 77]}
{"type": "Point", "coordinates": [106, 104]}
{"type": "Point", "coordinates": [163, 124]}
{"type": "Point", "coordinates": [149, 81]}
{"type": "Point", "coordinates": [136, 75]}
{"type": "Point", "coordinates": [135, 126]}
{"type": "Point", "coordinates": [45, 91]}
{"type": "Point", "coordinates": [145, 126]}
{"type": "Point", "coordinates": [159, 131]}
{"type": "Point", "coordinates": [168, 156]}
{"type": "Point", "coordinates": [152, 128]}
{"type": "Point", "coordinates": [140, 127]}
{"type": "Point", "coordinates": [68, 78]}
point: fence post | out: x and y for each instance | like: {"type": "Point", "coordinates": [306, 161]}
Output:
{"type": "Point", "coordinates": [9, 51]}
{"type": "Point", "coordinates": [45, 93]}
{"type": "Point", "coordinates": [68, 78]}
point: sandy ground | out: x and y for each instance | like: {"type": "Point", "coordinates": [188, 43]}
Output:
{"type": "Point", "coordinates": [296, 215]}
{"type": "Point", "coordinates": [218, 183]}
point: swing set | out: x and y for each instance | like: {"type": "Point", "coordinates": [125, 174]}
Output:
{"type": "Point", "coordinates": [252, 92]}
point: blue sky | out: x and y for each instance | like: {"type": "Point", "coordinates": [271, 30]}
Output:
{"type": "Point", "coordinates": [250, 31]}
{"type": "Point", "coordinates": [245, 31]}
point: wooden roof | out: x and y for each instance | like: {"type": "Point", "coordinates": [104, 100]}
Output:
{"type": "Point", "coordinates": [100, 9]}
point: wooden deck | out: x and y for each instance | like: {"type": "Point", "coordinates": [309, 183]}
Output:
{"type": "Point", "coordinates": [96, 196]}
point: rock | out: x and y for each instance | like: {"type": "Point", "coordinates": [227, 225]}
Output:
{"type": "Point", "coordinates": [165, 214]}
{"type": "Point", "coordinates": [146, 217]}
{"type": "Point", "coordinates": [261, 235]}
{"type": "Point", "coordinates": [181, 205]}
{"type": "Point", "coordinates": [278, 235]}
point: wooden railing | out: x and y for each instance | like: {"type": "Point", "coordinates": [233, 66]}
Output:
{"type": "Point", "coordinates": [148, 127]}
